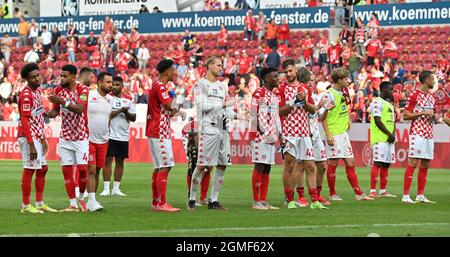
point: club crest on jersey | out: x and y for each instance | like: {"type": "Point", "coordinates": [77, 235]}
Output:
{"type": "Point", "coordinates": [165, 95]}
{"type": "Point", "coordinates": [26, 107]}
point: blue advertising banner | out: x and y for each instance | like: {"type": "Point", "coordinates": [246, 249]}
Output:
{"type": "Point", "coordinates": [178, 22]}
{"type": "Point", "coordinates": [406, 14]}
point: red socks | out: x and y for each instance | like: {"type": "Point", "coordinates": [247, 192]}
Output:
{"type": "Point", "coordinates": [313, 193]}
{"type": "Point", "coordinates": [264, 187]}
{"type": "Point", "coordinates": [69, 181]}
{"type": "Point", "coordinates": [161, 181]}
{"type": "Point", "coordinates": [154, 188]}
{"type": "Point", "coordinates": [27, 176]}
{"type": "Point", "coordinates": [407, 179]}
{"type": "Point", "coordinates": [319, 190]}
{"type": "Point", "coordinates": [256, 185]}
{"type": "Point", "coordinates": [301, 192]}
{"type": "Point", "coordinates": [83, 177]}
{"type": "Point", "coordinates": [204, 185]}
{"type": "Point", "coordinates": [373, 177]}
{"type": "Point", "coordinates": [289, 193]}
{"type": "Point", "coordinates": [331, 179]}
{"type": "Point", "coordinates": [39, 183]}
{"type": "Point", "coordinates": [422, 180]}
{"type": "Point", "coordinates": [353, 179]}
{"type": "Point", "coordinates": [383, 177]}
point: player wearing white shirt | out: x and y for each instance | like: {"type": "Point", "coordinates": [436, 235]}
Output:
{"type": "Point", "coordinates": [214, 142]}
{"type": "Point", "coordinates": [99, 110]}
{"type": "Point", "coordinates": [123, 111]}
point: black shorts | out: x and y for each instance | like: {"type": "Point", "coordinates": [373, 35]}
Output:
{"type": "Point", "coordinates": [118, 149]}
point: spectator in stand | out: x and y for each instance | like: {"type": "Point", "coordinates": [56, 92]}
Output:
{"type": "Point", "coordinates": [334, 52]}
{"type": "Point", "coordinates": [17, 13]}
{"type": "Point", "coordinates": [354, 65]}
{"type": "Point", "coordinates": [143, 9]}
{"type": "Point", "coordinates": [307, 45]}
{"type": "Point", "coordinates": [345, 34]}
{"type": "Point", "coordinates": [284, 32]}
{"type": "Point", "coordinates": [143, 55]}
{"type": "Point", "coordinates": [260, 58]}
{"type": "Point", "coordinates": [180, 94]}
{"type": "Point", "coordinates": [179, 54]}
{"type": "Point", "coordinates": [373, 47]}
{"type": "Point", "coordinates": [122, 59]}
{"type": "Point", "coordinates": [140, 97]}
{"type": "Point", "coordinates": [322, 84]}
{"type": "Point", "coordinates": [2, 65]}
{"type": "Point", "coordinates": [282, 49]}
{"type": "Point", "coordinates": [245, 64]}
{"type": "Point", "coordinates": [196, 53]}
{"type": "Point", "coordinates": [360, 37]}
{"type": "Point", "coordinates": [135, 39]}
{"type": "Point", "coordinates": [124, 41]}
{"type": "Point", "coordinates": [156, 10]}
{"type": "Point", "coordinates": [323, 49]}
{"type": "Point", "coordinates": [33, 31]}
{"type": "Point", "coordinates": [133, 63]}
{"type": "Point", "coordinates": [31, 57]}
{"type": "Point", "coordinates": [273, 59]}
{"type": "Point", "coordinates": [223, 37]}
{"type": "Point", "coordinates": [38, 47]}
{"type": "Point", "coordinates": [91, 44]}
{"type": "Point", "coordinates": [187, 40]}
{"type": "Point", "coordinates": [216, 5]}
{"type": "Point", "coordinates": [390, 51]}
{"type": "Point", "coordinates": [5, 90]}
{"type": "Point", "coordinates": [95, 61]}
{"type": "Point", "coordinates": [56, 39]}
{"type": "Point", "coordinates": [23, 32]}
{"type": "Point", "coordinates": [241, 4]}
{"type": "Point", "coordinates": [226, 6]}
{"type": "Point", "coordinates": [373, 26]}
{"type": "Point", "coordinates": [71, 32]}
{"type": "Point", "coordinates": [49, 79]}
{"type": "Point", "coordinates": [108, 25]}
{"type": "Point", "coordinates": [71, 50]}
{"type": "Point", "coordinates": [230, 68]}
{"type": "Point", "coordinates": [182, 69]}
{"type": "Point", "coordinates": [345, 55]}
{"type": "Point", "coordinates": [443, 64]}
{"type": "Point", "coordinates": [249, 26]}
{"type": "Point", "coordinates": [260, 28]}
{"type": "Point", "coordinates": [110, 61]}
{"type": "Point", "coordinates": [399, 75]}
{"type": "Point", "coordinates": [46, 37]}
{"type": "Point", "coordinates": [6, 44]}
{"type": "Point", "coordinates": [271, 33]}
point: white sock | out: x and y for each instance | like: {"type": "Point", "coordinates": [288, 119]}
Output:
{"type": "Point", "coordinates": [382, 191]}
{"type": "Point", "coordinates": [405, 196]}
{"type": "Point", "coordinates": [373, 190]}
{"type": "Point", "coordinates": [106, 185]}
{"type": "Point", "coordinates": [217, 184]}
{"type": "Point", "coordinates": [116, 186]}
{"type": "Point", "coordinates": [77, 192]}
{"type": "Point", "coordinates": [73, 202]}
{"type": "Point", "coordinates": [24, 206]}
{"type": "Point", "coordinates": [197, 177]}
{"type": "Point", "coordinates": [91, 197]}
{"type": "Point", "coordinates": [39, 204]}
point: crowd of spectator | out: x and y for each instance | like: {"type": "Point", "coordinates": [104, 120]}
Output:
{"type": "Point", "coordinates": [370, 57]}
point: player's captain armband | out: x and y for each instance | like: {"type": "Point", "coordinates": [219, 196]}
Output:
{"type": "Point", "coordinates": [83, 97]}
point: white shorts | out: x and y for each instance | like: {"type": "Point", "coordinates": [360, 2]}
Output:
{"type": "Point", "coordinates": [161, 151]}
{"type": "Point", "coordinates": [320, 153]}
{"type": "Point", "coordinates": [185, 141]}
{"type": "Point", "coordinates": [214, 149]}
{"type": "Point", "coordinates": [384, 152]}
{"type": "Point", "coordinates": [342, 148]}
{"type": "Point", "coordinates": [300, 148]}
{"type": "Point", "coordinates": [420, 147]}
{"type": "Point", "coordinates": [263, 153]}
{"type": "Point", "coordinates": [73, 152]}
{"type": "Point", "coordinates": [25, 150]}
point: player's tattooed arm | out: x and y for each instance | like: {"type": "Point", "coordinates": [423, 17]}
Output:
{"type": "Point", "coordinates": [73, 107]}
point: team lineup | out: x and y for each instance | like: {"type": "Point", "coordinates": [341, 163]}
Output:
{"type": "Point", "coordinates": [95, 132]}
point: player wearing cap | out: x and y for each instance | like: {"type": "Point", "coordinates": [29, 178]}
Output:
{"type": "Point", "coordinates": [32, 143]}
{"type": "Point", "coordinates": [382, 138]}
{"type": "Point", "coordinates": [421, 109]}
{"type": "Point", "coordinates": [336, 123]}
{"type": "Point", "coordinates": [159, 112]}
{"type": "Point", "coordinates": [70, 101]}
{"type": "Point", "coordinates": [123, 111]}
{"type": "Point", "coordinates": [214, 139]}
{"type": "Point", "coordinates": [266, 131]}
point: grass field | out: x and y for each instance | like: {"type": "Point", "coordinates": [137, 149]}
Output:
{"type": "Point", "coordinates": [131, 215]}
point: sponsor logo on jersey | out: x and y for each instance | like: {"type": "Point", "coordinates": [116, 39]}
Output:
{"type": "Point", "coordinates": [83, 97]}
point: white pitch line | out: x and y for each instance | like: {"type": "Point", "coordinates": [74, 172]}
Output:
{"type": "Point", "coordinates": [229, 229]}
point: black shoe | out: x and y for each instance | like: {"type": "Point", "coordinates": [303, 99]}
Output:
{"type": "Point", "coordinates": [216, 206]}
{"type": "Point", "coordinates": [191, 205]}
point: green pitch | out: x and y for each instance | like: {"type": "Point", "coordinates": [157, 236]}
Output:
{"type": "Point", "coordinates": [131, 215]}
